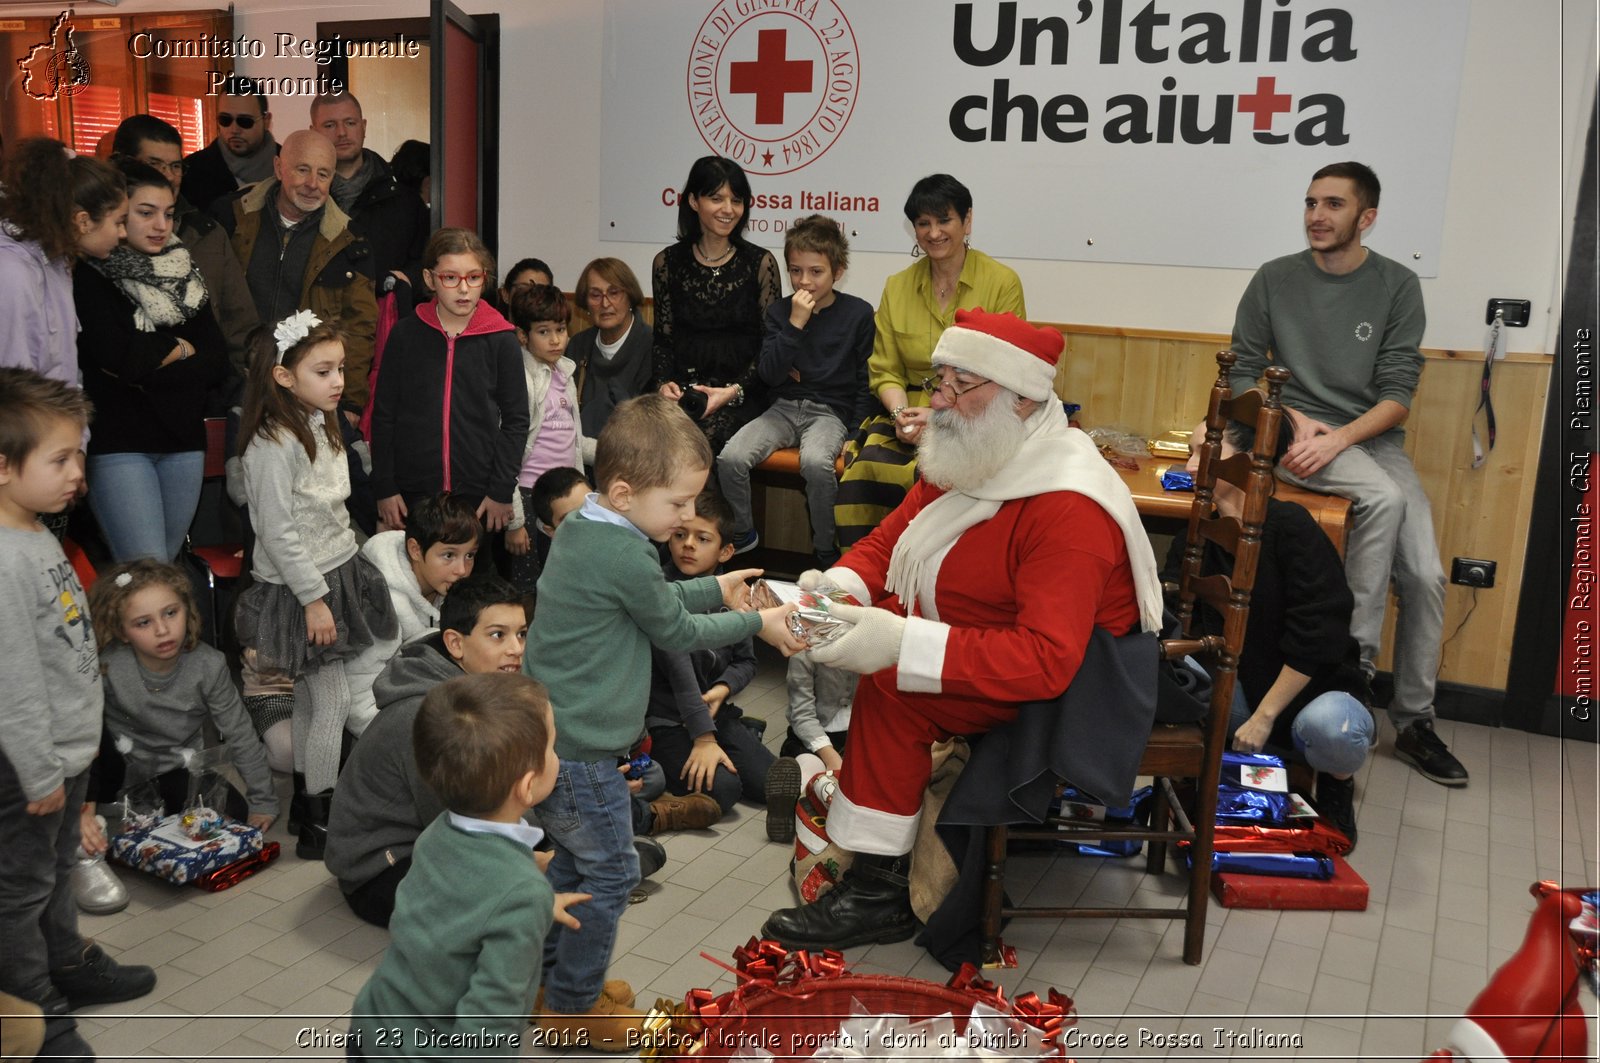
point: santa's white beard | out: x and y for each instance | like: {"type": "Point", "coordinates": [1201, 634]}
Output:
{"type": "Point", "coordinates": [960, 453]}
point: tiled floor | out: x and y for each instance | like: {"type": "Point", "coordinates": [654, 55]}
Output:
{"type": "Point", "coordinates": [247, 972]}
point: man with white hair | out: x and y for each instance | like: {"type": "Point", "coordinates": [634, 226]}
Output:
{"type": "Point", "coordinates": [985, 585]}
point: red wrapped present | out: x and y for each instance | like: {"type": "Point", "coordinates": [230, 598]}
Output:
{"type": "Point", "coordinates": [1346, 891]}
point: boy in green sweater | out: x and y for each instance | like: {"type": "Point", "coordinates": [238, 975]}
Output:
{"type": "Point", "coordinates": [602, 602]}
{"type": "Point", "coordinates": [463, 965]}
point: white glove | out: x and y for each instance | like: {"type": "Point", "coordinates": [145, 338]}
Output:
{"type": "Point", "coordinates": [871, 645]}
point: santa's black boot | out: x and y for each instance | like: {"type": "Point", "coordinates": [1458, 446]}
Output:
{"type": "Point", "coordinates": [870, 905]}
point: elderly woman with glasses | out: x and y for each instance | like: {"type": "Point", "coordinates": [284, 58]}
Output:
{"type": "Point", "coordinates": [918, 304]}
{"type": "Point", "coordinates": [612, 359]}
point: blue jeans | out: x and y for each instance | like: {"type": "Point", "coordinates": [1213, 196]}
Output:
{"type": "Point", "coordinates": [1333, 732]}
{"type": "Point", "coordinates": [817, 431]}
{"type": "Point", "coordinates": [588, 818]}
{"type": "Point", "coordinates": [145, 502]}
{"type": "Point", "coordinates": [38, 915]}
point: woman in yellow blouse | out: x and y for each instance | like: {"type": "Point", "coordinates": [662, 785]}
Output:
{"type": "Point", "coordinates": [918, 304]}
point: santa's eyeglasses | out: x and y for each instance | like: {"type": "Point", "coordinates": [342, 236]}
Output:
{"type": "Point", "coordinates": [952, 389]}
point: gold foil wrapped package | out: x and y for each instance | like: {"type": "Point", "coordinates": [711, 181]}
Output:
{"type": "Point", "coordinates": [1173, 444]}
{"type": "Point", "coordinates": [813, 620]}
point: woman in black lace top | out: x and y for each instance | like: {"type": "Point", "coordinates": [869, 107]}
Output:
{"type": "Point", "coordinates": [711, 289]}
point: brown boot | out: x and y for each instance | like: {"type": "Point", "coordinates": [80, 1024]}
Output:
{"type": "Point", "coordinates": [691, 812]}
{"type": "Point", "coordinates": [606, 1027]}
{"type": "Point", "coordinates": [616, 989]}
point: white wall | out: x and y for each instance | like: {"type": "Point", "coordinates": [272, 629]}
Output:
{"type": "Point", "coordinates": [1529, 78]}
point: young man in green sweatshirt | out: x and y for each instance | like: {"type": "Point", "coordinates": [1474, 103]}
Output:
{"type": "Point", "coordinates": [1348, 322]}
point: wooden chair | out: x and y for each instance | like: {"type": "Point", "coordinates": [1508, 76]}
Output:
{"type": "Point", "coordinates": [1178, 752]}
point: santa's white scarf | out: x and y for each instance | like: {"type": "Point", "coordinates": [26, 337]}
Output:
{"type": "Point", "coordinates": [1053, 457]}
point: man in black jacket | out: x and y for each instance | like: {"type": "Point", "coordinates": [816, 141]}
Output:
{"type": "Point", "coordinates": [244, 149]}
{"type": "Point", "coordinates": [392, 219]}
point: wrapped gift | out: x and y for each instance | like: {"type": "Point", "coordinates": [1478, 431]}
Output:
{"type": "Point", "coordinates": [812, 621]}
{"type": "Point", "coordinates": [169, 850]}
{"type": "Point", "coordinates": [1345, 891]}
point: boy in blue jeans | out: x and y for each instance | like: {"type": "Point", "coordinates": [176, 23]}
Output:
{"type": "Point", "coordinates": [696, 732]}
{"type": "Point", "coordinates": [814, 360]}
{"type": "Point", "coordinates": [49, 719]}
{"type": "Point", "coordinates": [602, 602]}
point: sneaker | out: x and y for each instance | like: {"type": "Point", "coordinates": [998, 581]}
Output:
{"type": "Point", "coordinates": [1336, 801]}
{"type": "Point", "coordinates": [756, 724]}
{"type": "Point", "coordinates": [783, 792]}
{"type": "Point", "coordinates": [652, 857]}
{"type": "Point", "coordinates": [1426, 751]}
{"type": "Point", "coordinates": [744, 542]}
{"type": "Point", "coordinates": [96, 887]}
{"type": "Point", "coordinates": [616, 989]}
{"type": "Point", "coordinates": [98, 979]}
{"type": "Point", "coordinates": [690, 812]}
{"type": "Point", "coordinates": [608, 1026]}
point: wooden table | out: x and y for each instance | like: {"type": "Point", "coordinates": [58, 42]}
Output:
{"type": "Point", "coordinates": [1156, 504]}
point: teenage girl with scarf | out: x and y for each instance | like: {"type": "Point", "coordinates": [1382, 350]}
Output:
{"type": "Point", "coordinates": [150, 351]}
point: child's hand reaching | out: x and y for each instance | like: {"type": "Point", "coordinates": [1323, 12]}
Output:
{"type": "Point", "coordinates": [517, 541]}
{"type": "Point", "coordinates": [261, 821]}
{"type": "Point", "coordinates": [701, 765]}
{"type": "Point", "coordinates": [735, 592]}
{"type": "Point", "coordinates": [775, 630]}
{"type": "Point", "coordinates": [565, 901]}
{"type": "Point", "coordinates": [320, 629]}
{"type": "Point", "coordinates": [90, 836]}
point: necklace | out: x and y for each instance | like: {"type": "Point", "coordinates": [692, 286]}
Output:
{"type": "Point", "coordinates": [714, 263]}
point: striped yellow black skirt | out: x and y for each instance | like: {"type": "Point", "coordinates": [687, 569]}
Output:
{"type": "Point", "coordinates": [879, 471]}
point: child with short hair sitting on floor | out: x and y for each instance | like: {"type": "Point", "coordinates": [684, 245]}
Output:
{"type": "Point", "coordinates": [463, 964]}
{"type": "Point", "coordinates": [696, 731]}
{"type": "Point", "coordinates": [820, 698]}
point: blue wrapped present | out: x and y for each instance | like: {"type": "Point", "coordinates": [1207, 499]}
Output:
{"type": "Point", "coordinates": [167, 851]}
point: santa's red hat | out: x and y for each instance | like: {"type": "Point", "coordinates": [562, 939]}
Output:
{"type": "Point", "coordinates": [1004, 348]}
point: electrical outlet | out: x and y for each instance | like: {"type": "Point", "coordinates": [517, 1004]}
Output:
{"type": "Point", "coordinates": [1516, 311]}
{"type": "Point", "coordinates": [1470, 572]}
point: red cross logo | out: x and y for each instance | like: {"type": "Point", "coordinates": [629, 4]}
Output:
{"type": "Point", "coordinates": [770, 77]}
{"type": "Point", "coordinates": [1265, 102]}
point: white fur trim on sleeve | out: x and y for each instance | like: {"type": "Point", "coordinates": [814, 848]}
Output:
{"type": "Point", "coordinates": [922, 650]}
{"type": "Point", "coordinates": [849, 581]}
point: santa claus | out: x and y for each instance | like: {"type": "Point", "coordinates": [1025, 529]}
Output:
{"type": "Point", "coordinates": [984, 585]}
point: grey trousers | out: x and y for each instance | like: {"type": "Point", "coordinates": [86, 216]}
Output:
{"type": "Point", "coordinates": [819, 434]}
{"type": "Point", "coordinates": [1391, 538]}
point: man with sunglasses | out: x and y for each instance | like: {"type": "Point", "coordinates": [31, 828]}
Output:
{"type": "Point", "coordinates": [981, 592]}
{"type": "Point", "coordinates": [244, 149]}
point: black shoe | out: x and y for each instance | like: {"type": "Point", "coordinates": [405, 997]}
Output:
{"type": "Point", "coordinates": [871, 905]}
{"type": "Point", "coordinates": [98, 979]}
{"type": "Point", "coordinates": [297, 803]}
{"type": "Point", "coordinates": [1425, 751]}
{"type": "Point", "coordinates": [1336, 802]}
{"type": "Point", "coordinates": [57, 1029]}
{"type": "Point", "coordinates": [783, 792]}
{"type": "Point", "coordinates": [312, 839]}
{"type": "Point", "coordinates": [652, 857]}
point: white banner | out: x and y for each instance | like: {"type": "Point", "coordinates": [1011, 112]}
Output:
{"type": "Point", "coordinates": [1171, 132]}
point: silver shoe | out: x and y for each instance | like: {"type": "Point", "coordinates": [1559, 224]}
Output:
{"type": "Point", "coordinates": [95, 886]}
